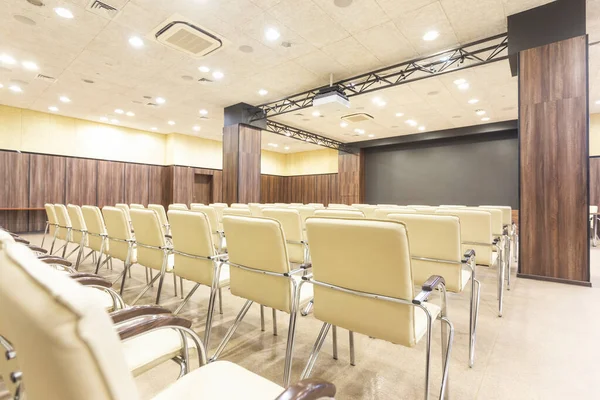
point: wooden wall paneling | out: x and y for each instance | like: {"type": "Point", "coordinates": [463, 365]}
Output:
{"type": "Point", "coordinates": [217, 186]}
{"type": "Point", "coordinates": [351, 177]}
{"type": "Point", "coordinates": [249, 164]}
{"type": "Point", "coordinates": [285, 195]}
{"type": "Point", "coordinates": [46, 185]}
{"type": "Point", "coordinates": [110, 183]}
{"type": "Point", "coordinates": [137, 183]}
{"type": "Point", "coordinates": [595, 181]}
{"type": "Point", "coordinates": [553, 119]}
{"type": "Point", "coordinates": [322, 189]}
{"type": "Point", "coordinates": [15, 221]}
{"type": "Point", "coordinates": [334, 191]}
{"type": "Point", "coordinates": [160, 185]}
{"type": "Point", "coordinates": [309, 183]}
{"type": "Point", "coordinates": [295, 189]}
{"type": "Point", "coordinates": [183, 184]}
{"type": "Point", "coordinates": [230, 164]}
{"type": "Point", "coordinates": [81, 181]}
{"type": "Point", "coordinates": [14, 175]}
{"type": "Point", "coordinates": [264, 189]}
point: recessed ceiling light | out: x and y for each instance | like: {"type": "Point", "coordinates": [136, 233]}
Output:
{"type": "Point", "coordinates": [263, 92]}
{"type": "Point", "coordinates": [103, 119]}
{"type": "Point", "coordinates": [371, 135]}
{"type": "Point", "coordinates": [316, 113]}
{"type": "Point", "coordinates": [204, 69]}
{"type": "Point", "coordinates": [421, 128]}
{"type": "Point", "coordinates": [399, 114]}
{"type": "Point", "coordinates": [203, 112]}
{"type": "Point", "coordinates": [130, 114]}
{"type": "Point", "coordinates": [160, 100]}
{"type": "Point", "coordinates": [342, 3]}
{"type": "Point", "coordinates": [218, 75]}
{"type": "Point", "coordinates": [463, 86]}
{"type": "Point", "coordinates": [359, 131]}
{"type": "Point", "coordinates": [480, 112]}
{"type": "Point", "coordinates": [245, 48]}
{"type": "Point", "coordinates": [460, 81]}
{"type": "Point", "coordinates": [431, 35]}
{"type": "Point", "coordinates": [196, 128]}
{"type": "Point", "coordinates": [119, 111]}
{"type": "Point", "coordinates": [485, 119]}
{"type": "Point", "coordinates": [63, 12]}
{"type": "Point", "coordinates": [30, 65]}
{"type": "Point", "coordinates": [24, 20]}
{"type": "Point", "coordinates": [473, 101]}
{"type": "Point", "coordinates": [171, 122]}
{"type": "Point", "coordinates": [273, 144]}
{"type": "Point", "coordinates": [343, 124]}
{"type": "Point", "coordinates": [445, 58]}
{"type": "Point", "coordinates": [411, 122]}
{"type": "Point", "coordinates": [64, 99]}
{"type": "Point", "coordinates": [272, 34]}
{"type": "Point", "coordinates": [15, 88]}
{"type": "Point", "coordinates": [378, 101]}
{"type": "Point", "coordinates": [153, 128]}
{"type": "Point", "coordinates": [114, 121]}
{"type": "Point", "coordinates": [286, 148]}
{"type": "Point", "coordinates": [53, 108]}
{"type": "Point", "coordinates": [136, 42]}
{"type": "Point", "coordinates": [6, 59]}
{"type": "Point", "coordinates": [597, 101]}
{"type": "Point", "coordinates": [1, 86]}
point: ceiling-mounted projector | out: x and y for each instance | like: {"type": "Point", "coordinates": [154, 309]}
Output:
{"type": "Point", "coordinates": [331, 94]}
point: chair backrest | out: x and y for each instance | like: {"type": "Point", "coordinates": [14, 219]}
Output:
{"type": "Point", "coordinates": [425, 210]}
{"type": "Point", "coordinates": [117, 227]}
{"type": "Point", "coordinates": [135, 206]}
{"type": "Point", "coordinates": [148, 232]}
{"type": "Point", "coordinates": [239, 205]}
{"type": "Point", "coordinates": [255, 209]}
{"type": "Point", "coordinates": [593, 209]}
{"type": "Point", "coordinates": [160, 211]}
{"type": "Point", "coordinates": [213, 220]}
{"type": "Point", "coordinates": [347, 253]}
{"type": "Point", "coordinates": [316, 205]}
{"type": "Point", "coordinates": [339, 206]}
{"type": "Point", "coordinates": [125, 209]}
{"type": "Point", "coordinates": [77, 222]}
{"type": "Point", "coordinates": [196, 204]}
{"type": "Point", "coordinates": [258, 243]}
{"type": "Point", "coordinates": [475, 227]}
{"type": "Point", "coordinates": [387, 205]}
{"type": "Point", "coordinates": [219, 207]}
{"type": "Point", "coordinates": [237, 211]}
{"type": "Point", "coordinates": [66, 343]}
{"type": "Point", "coordinates": [279, 205]}
{"type": "Point", "coordinates": [497, 225]}
{"type": "Point", "coordinates": [452, 206]}
{"type": "Point", "coordinates": [339, 213]}
{"type": "Point", "coordinates": [191, 233]}
{"type": "Point", "coordinates": [383, 212]}
{"type": "Point", "coordinates": [63, 220]}
{"type": "Point", "coordinates": [367, 209]}
{"type": "Point", "coordinates": [291, 222]}
{"type": "Point", "coordinates": [95, 226]}
{"type": "Point", "coordinates": [178, 206]}
{"type": "Point", "coordinates": [506, 213]}
{"type": "Point", "coordinates": [435, 237]}
{"type": "Point", "coordinates": [51, 214]}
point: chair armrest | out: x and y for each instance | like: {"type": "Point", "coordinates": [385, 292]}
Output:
{"type": "Point", "coordinates": [468, 255]}
{"type": "Point", "coordinates": [78, 275]}
{"type": "Point", "coordinates": [496, 240]}
{"type": "Point", "coordinates": [138, 311]}
{"type": "Point", "coordinates": [37, 248]}
{"type": "Point", "coordinates": [306, 266]}
{"type": "Point", "coordinates": [55, 260]}
{"type": "Point", "coordinates": [428, 287]}
{"type": "Point", "coordinates": [308, 389]}
{"type": "Point", "coordinates": [93, 280]}
{"type": "Point", "coordinates": [19, 239]}
{"type": "Point", "coordinates": [147, 323]}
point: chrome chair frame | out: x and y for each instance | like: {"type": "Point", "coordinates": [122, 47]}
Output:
{"type": "Point", "coordinates": [127, 264]}
{"type": "Point", "coordinates": [81, 247]}
{"type": "Point", "coordinates": [46, 233]}
{"type": "Point", "coordinates": [416, 302]}
{"type": "Point", "coordinates": [15, 376]}
{"type": "Point", "coordinates": [501, 268]}
{"type": "Point", "coordinates": [287, 371]}
{"type": "Point", "coordinates": [167, 250]}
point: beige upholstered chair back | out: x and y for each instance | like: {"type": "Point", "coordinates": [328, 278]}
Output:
{"type": "Point", "coordinates": [191, 233]}
{"type": "Point", "coordinates": [125, 209]}
{"type": "Point", "coordinates": [316, 205]}
{"type": "Point", "coordinates": [368, 210]}
{"type": "Point", "coordinates": [279, 205]}
{"type": "Point", "coordinates": [95, 225]}
{"type": "Point", "coordinates": [593, 209]}
{"type": "Point", "coordinates": [425, 210]}
{"type": "Point", "coordinates": [219, 207]}
{"type": "Point", "coordinates": [240, 205]}
{"type": "Point", "coordinates": [506, 213]}
{"type": "Point", "coordinates": [387, 205]}
{"type": "Point", "coordinates": [77, 222]}
{"type": "Point", "coordinates": [475, 227]}
{"type": "Point", "coordinates": [135, 206]}
{"type": "Point", "coordinates": [339, 206]}
{"type": "Point", "coordinates": [237, 211]}
{"type": "Point", "coordinates": [148, 232]}
{"type": "Point", "coordinates": [117, 227]}
{"type": "Point", "coordinates": [497, 225]}
{"type": "Point", "coordinates": [178, 206]}
{"type": "Point", "coordinates": [435, 237]}
{"type": "Point", "coordinates": [195, 204]}
{"type": "Point", "coordinates": [63, 219]}
{"type": "Point", "coordinates": [67, 346]}
{"type": "Point", "coordinates": [347, 253]}
{"type": "Point", "coordinates": [51, 214]}
{"type": "Point", "coordinates": [258, 243]}
{"type": "Point", "coordinates": [213, 220]}
{"type": "Point", "coordinates": [255, 209]}
{"type": "Point", "coordinates": [339, 213]}
{"type": "Point", "coordinates": [452, 206]}
{"type": "Point", "coordinates": [291, 222]}
{"type": "Point", "coordinates": [305, 212]}
{"type": "Point", "coordinates": [160, 211]}
{"type": "Point", "coordinates": [383, 212]}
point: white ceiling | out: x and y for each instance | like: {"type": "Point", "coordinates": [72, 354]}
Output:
{"type": "Point", "coordinates": [324, 39]}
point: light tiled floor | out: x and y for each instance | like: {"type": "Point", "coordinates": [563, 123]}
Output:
{"type": "Point", "coordinates": [547, 345]}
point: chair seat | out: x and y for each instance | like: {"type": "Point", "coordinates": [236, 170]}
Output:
{"type": "Point", "coordinates": [148, 350]}
{"type": "Point", "coordinates": [221, 380]}
{"type": "Point", "coordinates": [421, 319]}
{"type": "Point", "coordinates": [465, 277]}
{"type": "Point", "coordinates": [102, 298]}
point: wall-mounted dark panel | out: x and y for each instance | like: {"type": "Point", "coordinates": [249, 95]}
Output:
{"type": "Point", "coordinates": [137, 183]}
{"type": "Point", "coordinates": [14, 175]}
{"type": "Point", "coordinates": [160, 185]}
{"type": "Point", "coordinates": [351, 177]}
{"type": "Point", "coordinates": [595, 181]}
{"type": "Point", "coordinates": [81, 181]}
{"type": "Point", "coordinates": [46, 185]}
{"type": "Point", "coordinates": [111, 183]}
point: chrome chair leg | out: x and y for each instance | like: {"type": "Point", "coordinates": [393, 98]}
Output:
{"type": "Point", "coordinates": [307, 308]}
{"type": "Point", "coordinates": [289, 351]}
{"type": "Point", "coordinates": [334, 339]}
{"type": "Point", "coordinates": [474, 314]}
{"type": "Point", "coordinates": [507, 259]}
{"type": "Point", "coordinates": [211, 307]}
{"type": "Point", "coordinates": [428, 353]}
{"type": "Point", "coordinates": [187, 298]}
{"type": "Point", "coordinates": [220, 302]}
{"type": "Point", "coordinates": [351, 342]}
{"type": "Point", "coordinates": [262, 318]}
{"type": "Point", "coordinates": [126, 268]}
{"type": "Point", "coordinates": [175, 284]}
{"type": "Point", "coordinates": [232, 329]}
{"type": "Point", "coordinates": [148, 286]}
{"type": "Point", "coordinates": [100, 255]}
{"type": "Point", "coordinates": [45, 233]}
{"type": "Point", "coordinates": [312, 359]}
{"type": "Point", "coordinates": [500, 283]}
{"type": "Point", "coordinates": [446, 351]}
{"type": "Point", "coordinates": [181, 287]}
{"type": "Point", "coordinates": [94, 257]}
{"type": "Point", "coordinates": [146, 268]}
{"type": "Point", "coordinates": [274, 322]}
{"type": "Point", "coordinates": [64, 249]}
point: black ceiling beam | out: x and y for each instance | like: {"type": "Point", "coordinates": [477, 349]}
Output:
{"type": "Point", "coordinates": [305, 136]}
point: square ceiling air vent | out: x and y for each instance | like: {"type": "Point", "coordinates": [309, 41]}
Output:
{"type": "Point", "coordinates": [182, 35]}
{"type": "Point", "coordinates": [356, 118]}
{"type": "Point", "coordinates": [106, 8]}
{"type": "Point", "coordinates": [45, 78]}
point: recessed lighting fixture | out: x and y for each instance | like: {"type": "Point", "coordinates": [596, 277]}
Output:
{"type": "Point", "coordinates": [203, 112]}
{"type": "Point", "coordinates": [411, 122]}
{"type": "Point", "coordinates": [119, 111]}
{"type": "Point", "coordinates": [445, 58]}
{"type": "Point", "coordinates": [218, 75]}
{"type": "Point", "coordinates": [343, 124]}
{"type": "Point", "coordinates": [136, 42]}
{"type": "Point", "coordinates": [6, 59]}
{"type": "Point", "coordinates": [272, 34]}
{"type": "Point", "coordinates": [399, 114]}
{"type": "Point", "coordinates": [463, 86]}
{"type": "Point", "coordinates": [273, 144]}
{"type": "Point", "coordinates": [1, 86]}
{"type": "Point", "coordinates": [359, 131]}
{"type": "Point", "coordinates": [171, 122]}
{"type": "Point", "coordinates": [103, 119]}
{"type": "Point", "coordinates": [286, 148]}
{"type": "Point", "coordinates": [64, 99]}
{"type": "Point", "coordinates": [316, 113]}
{"type": "Point", "coordinates": [597, 101]}
{"type": "Point", "coordinates": [460, 81]}
{"type": "Point", "coordinates": [485, 119]}
{"type": "Point", "coordinates": [263, 92]}
{"type": "Point", "coordinates": [421, 128]}
{"type": "Point", "coordinates": [480, 112]}
{"type": "Point", "coordinates": [204, 69]}
{"type": "Point", "coordinates": [196, 128]}
{"type": "Point", "coordinates": [431, 35]}
{"type": "Point", "coordinates": [378, 101]}
{"type": "Point", "coordinates": [114, 121]}
{"type": "Point", "coordinates": [288, 134]}
{"type": "Point", "coordinates": [160, 100]}
{"type": "Point", "coordinates": [15, 88]}
{"type": "Point", "coordinates": [473, 101]}
{"type": "Point", "coordinates": [63, 12]}
{"type": "Point", "coordinates": [371, 135]}
{"type": "Point", "coordinates": [129, 114]}
{"type": "Point", "coordinates": [30, 65]}
{"type": "Point", "coordinates": [153, 128]}
{"type": "Point", "coordinates": [53, 108]}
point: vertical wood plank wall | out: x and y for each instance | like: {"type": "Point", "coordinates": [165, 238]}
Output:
{"type": "Point", "coordinates": [351, 172]}
{"type": "Point", "coordinates": [241, 164]}
{"type": "Point", "coordinates": [554, 161]}
{"type": "Point", "coordinates": [595, 181]}
{"type": "Point", "coordinates": [230, 163]}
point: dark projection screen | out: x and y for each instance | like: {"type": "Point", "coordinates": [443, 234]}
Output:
{"type": "Point", "coordinates": [469, 171]}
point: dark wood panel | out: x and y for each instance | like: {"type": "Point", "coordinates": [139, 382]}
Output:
{"type": "Point", "coordinates": [81, 181]}
{"type": "Point", "coordinates": [217, 186]}
{"type": "Point", "coordinates": [46, 180]}
{"type": "Point", "coordinates": [309, 183]}
{"type": "Point", "coordinates": [14, 175]}
{"type": "Point", "coordinates": [554, 161]}
{"type": "Point", "coordinates": [110, 183]}
{"type": "Point", "coordinates": [595, 181]}
{"type": "Point", "coordinates": [15, 221]}
{"type": "Point", "coordinates": [160, 185]}
{"type": "Point", "coordinates": [249, 164]}
{"type": "Point", "coordinates": [137, 183]}
{"type": "Point", "coordinates": [230, 164]}
{"type": "Point", "coordinates": [183, 185]}
{"type": "Point", "coordinates": [351, 177]}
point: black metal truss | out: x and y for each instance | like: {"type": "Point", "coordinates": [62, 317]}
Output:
{"type": "Point", "coordinates": [471, 55]}
{"type": "Point", "coordinates": [308, 137]}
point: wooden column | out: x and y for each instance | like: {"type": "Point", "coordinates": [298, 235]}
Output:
{"type": "Point", "coordinates": [351, 177]}
{"type": "Point", "coordinates": [553, 137]}
{"type": "Point", "coordinates": [241, 164]}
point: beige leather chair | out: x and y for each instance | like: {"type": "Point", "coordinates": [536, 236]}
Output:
{"type": "Point", "coordinates": [79, 232]}
{"type": "Point", "coordinates": [195, 204]}
{"type": "Point", "coordinates": [279, 205]}
{"type": "Point", "coordinates": [178, 206]}
{"type": "Point", "coordinates": [135, 206]}
{"type": "Point", "coordinates": [51, 225]}
{"type": "Point", "coordinates": [339, 206]}
{"type": "Point", "coordinates": [65, 229]}
{"type": "Point", "coordinates": [368, 210]}
{"type": "Point", "coordinates": [383, 212]}
{"type": "Point", "coordinates": [377, 298]}
{"type": "Point", "coordinates": [260, 272]}
{"type": "Point", "coordinates": [121, 243]}
{"type": "Point", "coordinates": [476, 233]}
{"type": "Point", "coordinates": [255, 209]}
{"type": "Point", "coordinates": [316, 205]}
{"type": "Point", "coordinates": [68, 347]}
{"type": "Point", "coordinates": [213, 219]}
{"type": "Point", "coordinates": [240, 205]}
{"type": "Point", "coordinates": [511, 231]}
{"type": "Point", "coordinates": [387, 205]}
{"type": "Point", "coordinates": [96, 231]}
{"type": "Point", "coordinates": [436, 249]}
{"type": "Point", "coordinates": [452, 206]}
{"type": "Point", "coordinates": [237, 211]}
{"type": "Point", "coordinates": [339, 213]}
{"type": "Point", "coordinates": [219, 207]}
{"type": "Point", "coordinates": [162, 217]}
{"type": "Point", "coordinates": [291, 222]}
{"type": "Point", "coordinates": [126, 210]}
{"type": "Point", "coordinates": [197, 260]}
{"type": "Point", "coordinates": [305, 212]}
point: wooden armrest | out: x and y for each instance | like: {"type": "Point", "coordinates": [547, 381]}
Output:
{"type": "Point", "coordinates": [19, 239]}
{"type": "Point", "coordinates": [308, 389]}
{"type": "Point", "coordinates": [37, 248]}
{"type": "Point", "coordinates": [138, 311]}
{"type": "Point", "coordinates": [55, 260]}
{"type": "Point", "coordinates": [428, 287]}
{"type": "Point", "coordinates": [144, 324]}
{"type": "Point", "coordinates": [93, 281]}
